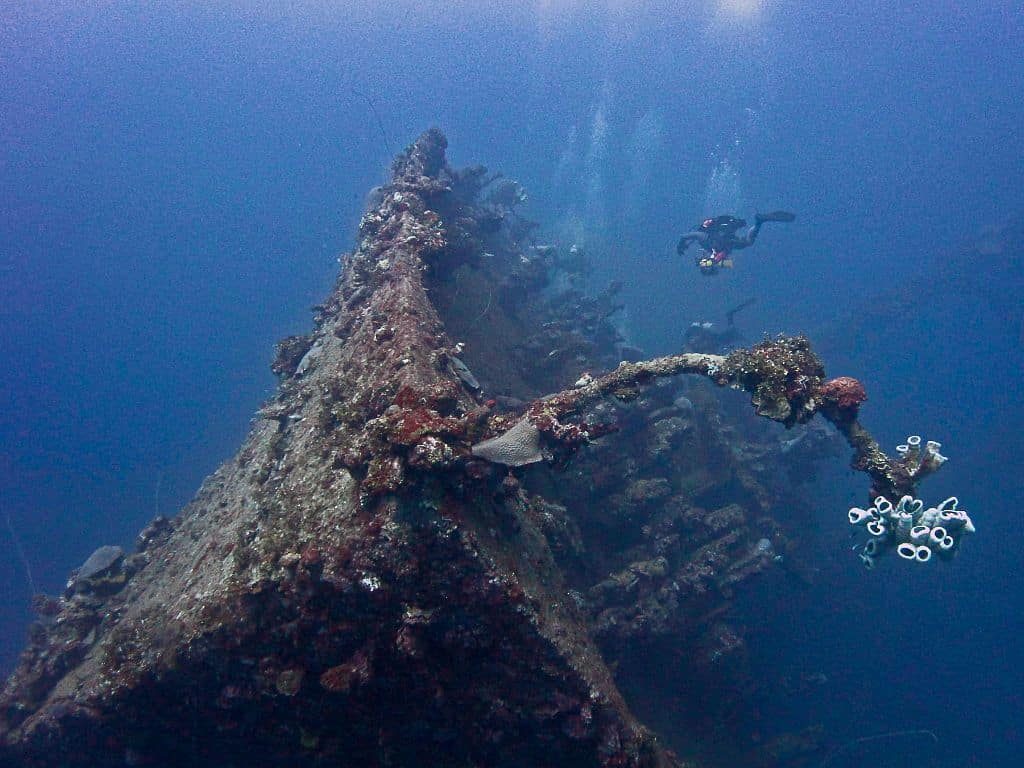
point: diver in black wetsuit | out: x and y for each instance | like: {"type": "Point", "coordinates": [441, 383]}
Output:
{"type": "Point", "coordinates": [705, 338]}
{"type": "Point", "coordinates": [720, 236]}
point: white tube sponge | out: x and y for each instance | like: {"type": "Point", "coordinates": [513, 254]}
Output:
{"type": "Point", "coordinates": [913, 447]}
{"type": "Point", "coordinates": [936, 537]}
{"type": "Point", "coordinates": [884, 506]}
{"type": "Point", "coordinates": [876, 546]}
{"type": "Point", "coordinates": [952, 520]}
{"type": "Point", "coordinates": [932, 455]}
{"type": "Point", "coordinates": [907, 551]}
{"type": "Point", "coordinates": [946, 547]}
{"type": "Point", "coordinates": [858, 516]}
{"type": "Point", "coordinates": [919, 535]}
{"type": "Point", "coordinates": [877, 528]}
{"type": "Point", "coordinates": [914, 506]}
{"type": "Point", "coordinates": [903, 523]}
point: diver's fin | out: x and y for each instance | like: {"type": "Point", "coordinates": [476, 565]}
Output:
{"type": "Point", "coordinates": [727, 263]}
{"type": "Point", "coordinates": [730, 316]}
{"type": "Point", "coordinates": [776, 216]}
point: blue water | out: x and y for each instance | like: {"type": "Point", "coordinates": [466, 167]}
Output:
{"type": "Point", "coordinates": [177, 183]}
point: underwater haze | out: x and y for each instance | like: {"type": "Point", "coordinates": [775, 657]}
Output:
{"type": "Point", "coordinates": [178, 180]}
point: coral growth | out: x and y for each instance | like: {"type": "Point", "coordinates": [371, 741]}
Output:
{"type": "Point", "coordinates": [914, 532]}
{"type": "Point", "coordinates": [783, 375]}
{"type": "Point", "coordinates": [843, 396]}
{"type": "Point", "coordinates": [918, 462]}
{"type": "Point", "coordinates": [518, 446]}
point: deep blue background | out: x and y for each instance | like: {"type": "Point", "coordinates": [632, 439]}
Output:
{"type": "Point", "coordinates": [176, 185]}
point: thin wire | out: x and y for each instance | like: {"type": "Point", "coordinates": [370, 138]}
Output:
{"type": "Point", "coordinates": [480, 317]}
{"type": "Point", "coordinates": [376, 116]}
{"type": "Point", "coordinates": [156, 494]}
{"type": "Point", "coordinates": [877, 737]}
{"type": "Point", "coordinates": [21, 553]}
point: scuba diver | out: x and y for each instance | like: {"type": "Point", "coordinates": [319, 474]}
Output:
{"type": "Point", "coordinates": [720, 236]}
{"type": "Point", "coordinates": [705, 338]}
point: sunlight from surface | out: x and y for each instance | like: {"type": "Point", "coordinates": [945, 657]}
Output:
{"type": "Point", "coordinates": [741, 9]}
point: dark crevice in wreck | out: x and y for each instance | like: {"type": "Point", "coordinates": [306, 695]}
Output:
{"type": "Point", "coordinates": [361, 586]}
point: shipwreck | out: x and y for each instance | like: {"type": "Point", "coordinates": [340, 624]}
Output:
{"type": "Point", "coordinates": [469, 511]}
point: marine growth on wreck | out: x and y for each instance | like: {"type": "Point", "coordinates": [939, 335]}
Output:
{"type": "Point", "coordinates": [466, 514]}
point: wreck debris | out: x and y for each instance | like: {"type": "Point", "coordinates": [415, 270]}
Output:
{"type": "Point", "coordinates": [289, 353]}
{"type": "Point", "coordinates": [103, 559]}
{"type": "Point", "coordinates": [103, 571]}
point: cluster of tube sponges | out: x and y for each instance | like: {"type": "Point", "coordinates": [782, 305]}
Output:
{"type": "Point", "coordinates": [916, 533]}
{"type": "Point", "coordinates": [919, 460]}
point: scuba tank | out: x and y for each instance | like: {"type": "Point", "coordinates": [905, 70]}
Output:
{"type": "Point", "coordinates": [720, 231]}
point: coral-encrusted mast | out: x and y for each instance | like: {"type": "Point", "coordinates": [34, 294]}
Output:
{"type": "Point", "coordinates": [785, 378]}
